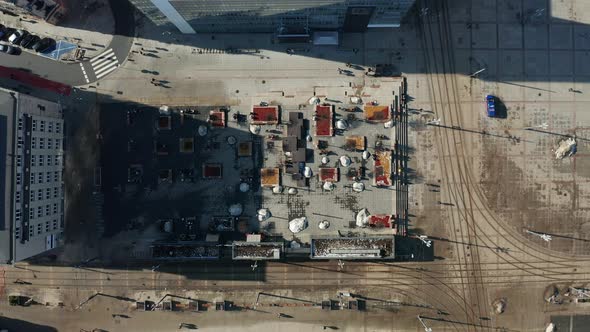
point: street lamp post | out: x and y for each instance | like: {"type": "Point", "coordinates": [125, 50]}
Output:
{"type": "Point", "coordinates": [425, 240]}
{"type": "Point", "coordinates": [544, 237]}
{"type": "Point", "coordinates": [426, 328]}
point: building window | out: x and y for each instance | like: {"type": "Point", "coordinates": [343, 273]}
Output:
{"type": "Point", "coordinates": [50, 127]}
{"type": "Point", "coordinates": [39, 211]}
{"type": "Point", "coordinates": [31, 231]}
{"type": "Point", "coordinates": [41, 160]}
{"type": "Point", "coordinates": [58, 144]}
{"type": "Point", "coordinates": [47, 226]}
{"type": "Point", "coordinates": [38, 229]}
{"type": "Point", "coordinates": [50, 143]}
{"type": "Point", "coordinates": [34, 125]}
{"type": "Point", "coordinates": [34, 143]}
{"type": "Point", "coordinates": [42, 126]}
{"type": "Point", "coordinates": [55, 192]}
{"type": "Point", "coordinates": [48, 193]}
{"type": "Point", "coordinates": [17, 232]}
{"type": "Point", "coordinates": [40, 195]}
{"type": "Point", "coordinates": [18, 179]}
{"type": "Point", "coordinates": [32, 195]}
{"type": "Point", "coordinates": [20, 124]}
{"type": "Point", "coordinates": [40, 177]}
{"type": "Point", "coordinates": [32, 178]}
{"type": "Point", "coordinates": [49, 160]}
{"type": "Point", "coordinates": [54, 224]}
{"type": "Point", "coordinates": [31, 213]}
{"type": "Point", "coordinates": [17, 198]}
{"type": "Point", "coordinates": [54, 208]}
{"type": "Point", "coordinates": [33, 161]}
{"type": "Point", "coordinates": [41, 143]}
{"type": "Point", "coordinates": [57, 160]}
{"type": "Point", "coordinates": [19, 161]}
{"type": "Point", "coordinates": [56, 176]}
{"type": "Point", "coordinates": [48, 177]}
{"type": "Point", "coordinates": [47, 209]}
{"type": "Point", "coordinates": [58, 128]}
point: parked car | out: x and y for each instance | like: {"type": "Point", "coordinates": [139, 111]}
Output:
{"type": "Point", "coordinates": [8, 49]}
{"type": "Point", "coordinates": [32, 40]}
{"type": "Point", "coordinates": [491, 105]}
{"type": "Point", "coordinates": [15, 35]}
{"type": "Point", "coordinates": [26, 40]}
{"type": "Point", "coordinates": [43, 45]}
{"type": "Point", "coordinates": [2, 31]}
{"type": "Point", "coordinates": [7, 33]}
{"type": "Point", "coordinates": [18, 35]}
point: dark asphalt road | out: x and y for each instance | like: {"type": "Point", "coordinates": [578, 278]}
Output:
{"type": "Point", "coordinates": [71, 73]}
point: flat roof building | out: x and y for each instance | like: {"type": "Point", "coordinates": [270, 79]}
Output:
{"type": "Point", "coordinates": [31, 176]}
{"type": "Point", "coordinates": [287, 17]}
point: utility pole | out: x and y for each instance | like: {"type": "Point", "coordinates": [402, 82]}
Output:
{"type": "Point", "coordinates": [425, 240]}
{"type": "Point", "coordinates": [426, 328]}
{"type": "Point", "coordinates": [544, 237]}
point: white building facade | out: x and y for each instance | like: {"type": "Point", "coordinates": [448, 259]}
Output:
{"type": "Point", "coordinates": [34, 186]}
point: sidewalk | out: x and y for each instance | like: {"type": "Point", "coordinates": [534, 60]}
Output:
{"type": "Point", "coordinates": [90, 30]}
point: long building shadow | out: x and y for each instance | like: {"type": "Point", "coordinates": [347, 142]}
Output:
{"type": "Point", "coordinates": [471, 32]}
{"type": "Point", "coordinates": [13, 324]}
{"type": "Point", "coordinates": [528, 45]}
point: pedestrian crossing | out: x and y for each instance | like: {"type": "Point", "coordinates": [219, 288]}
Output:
{"type": "Point", "coordinates": [104, 63]}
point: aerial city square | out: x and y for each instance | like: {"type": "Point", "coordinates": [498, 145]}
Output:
{"type": "Point", "coordinates": [294, 165]}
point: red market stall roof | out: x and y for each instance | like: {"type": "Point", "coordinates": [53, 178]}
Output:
{"type": "Point", "coordinates": [217, 118]}
{"type": "Point", "coordinates": [324, 120]}
{"type": "Point", "coordinates": [212, 171]}
{"type": "Point", "coordinates": [264, 115]}
{"type": "Point", "coordinates": [329, 174]}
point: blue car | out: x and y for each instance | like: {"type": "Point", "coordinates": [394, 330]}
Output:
{"type": "Point", "coordinates": [491, 105]}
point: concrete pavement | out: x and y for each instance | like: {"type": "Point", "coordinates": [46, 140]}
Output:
{"type": "Point", "coordinates": [105, 58]}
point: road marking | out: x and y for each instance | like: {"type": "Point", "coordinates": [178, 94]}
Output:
{"type": "Point", "coordinates": [106, 72]}
{"type": "Point", "coordinates": [104, 63]}
{"type": "Point", "coordinates": [84, 72]}
{"type": "Point", "coordinates": [101, 55]}
{"type": "Point", "coordinates": [104, 59]}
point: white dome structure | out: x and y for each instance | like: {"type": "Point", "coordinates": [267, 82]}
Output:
{"type": "Point", "coordinates": [345, 161]}
{"type": "Point", "coordinates": [298, 224]}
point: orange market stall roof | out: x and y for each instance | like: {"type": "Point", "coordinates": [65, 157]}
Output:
{"type": "Point", "coordinates": [264, 115]}
{"type": "Point", "coordinates": [377, 113]}
{"type": "Point", "coordinates": [245, 149]}
{"type": "Point", "coordinates": [382, 168]}
{"type": "Point", "coordinates": [269, 177]}
{"type": "Point", "coordinates": [355, 143]}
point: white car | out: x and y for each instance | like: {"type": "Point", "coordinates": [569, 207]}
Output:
{"type": "Point", "coordinates": [15, 35]}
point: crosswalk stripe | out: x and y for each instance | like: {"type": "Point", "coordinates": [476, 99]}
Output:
{"type": "Point", "coordinates": [106, 72]}
{"type": "Point", "coordinates": [110, 65]}
{"type": "Point", "coordinates": [106, 58]}
{"type": "Point", "coordinates": [97, 67]}
{"type": "Point", "coordinates": [110, 50]}
{"type": "Point", "coordinates": [84, 72]}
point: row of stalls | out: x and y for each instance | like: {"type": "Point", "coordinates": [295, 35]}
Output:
{"type": "Point", "coordinates": [294, 144]}
{"type": "Point", "coordinates": [255, 248]}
